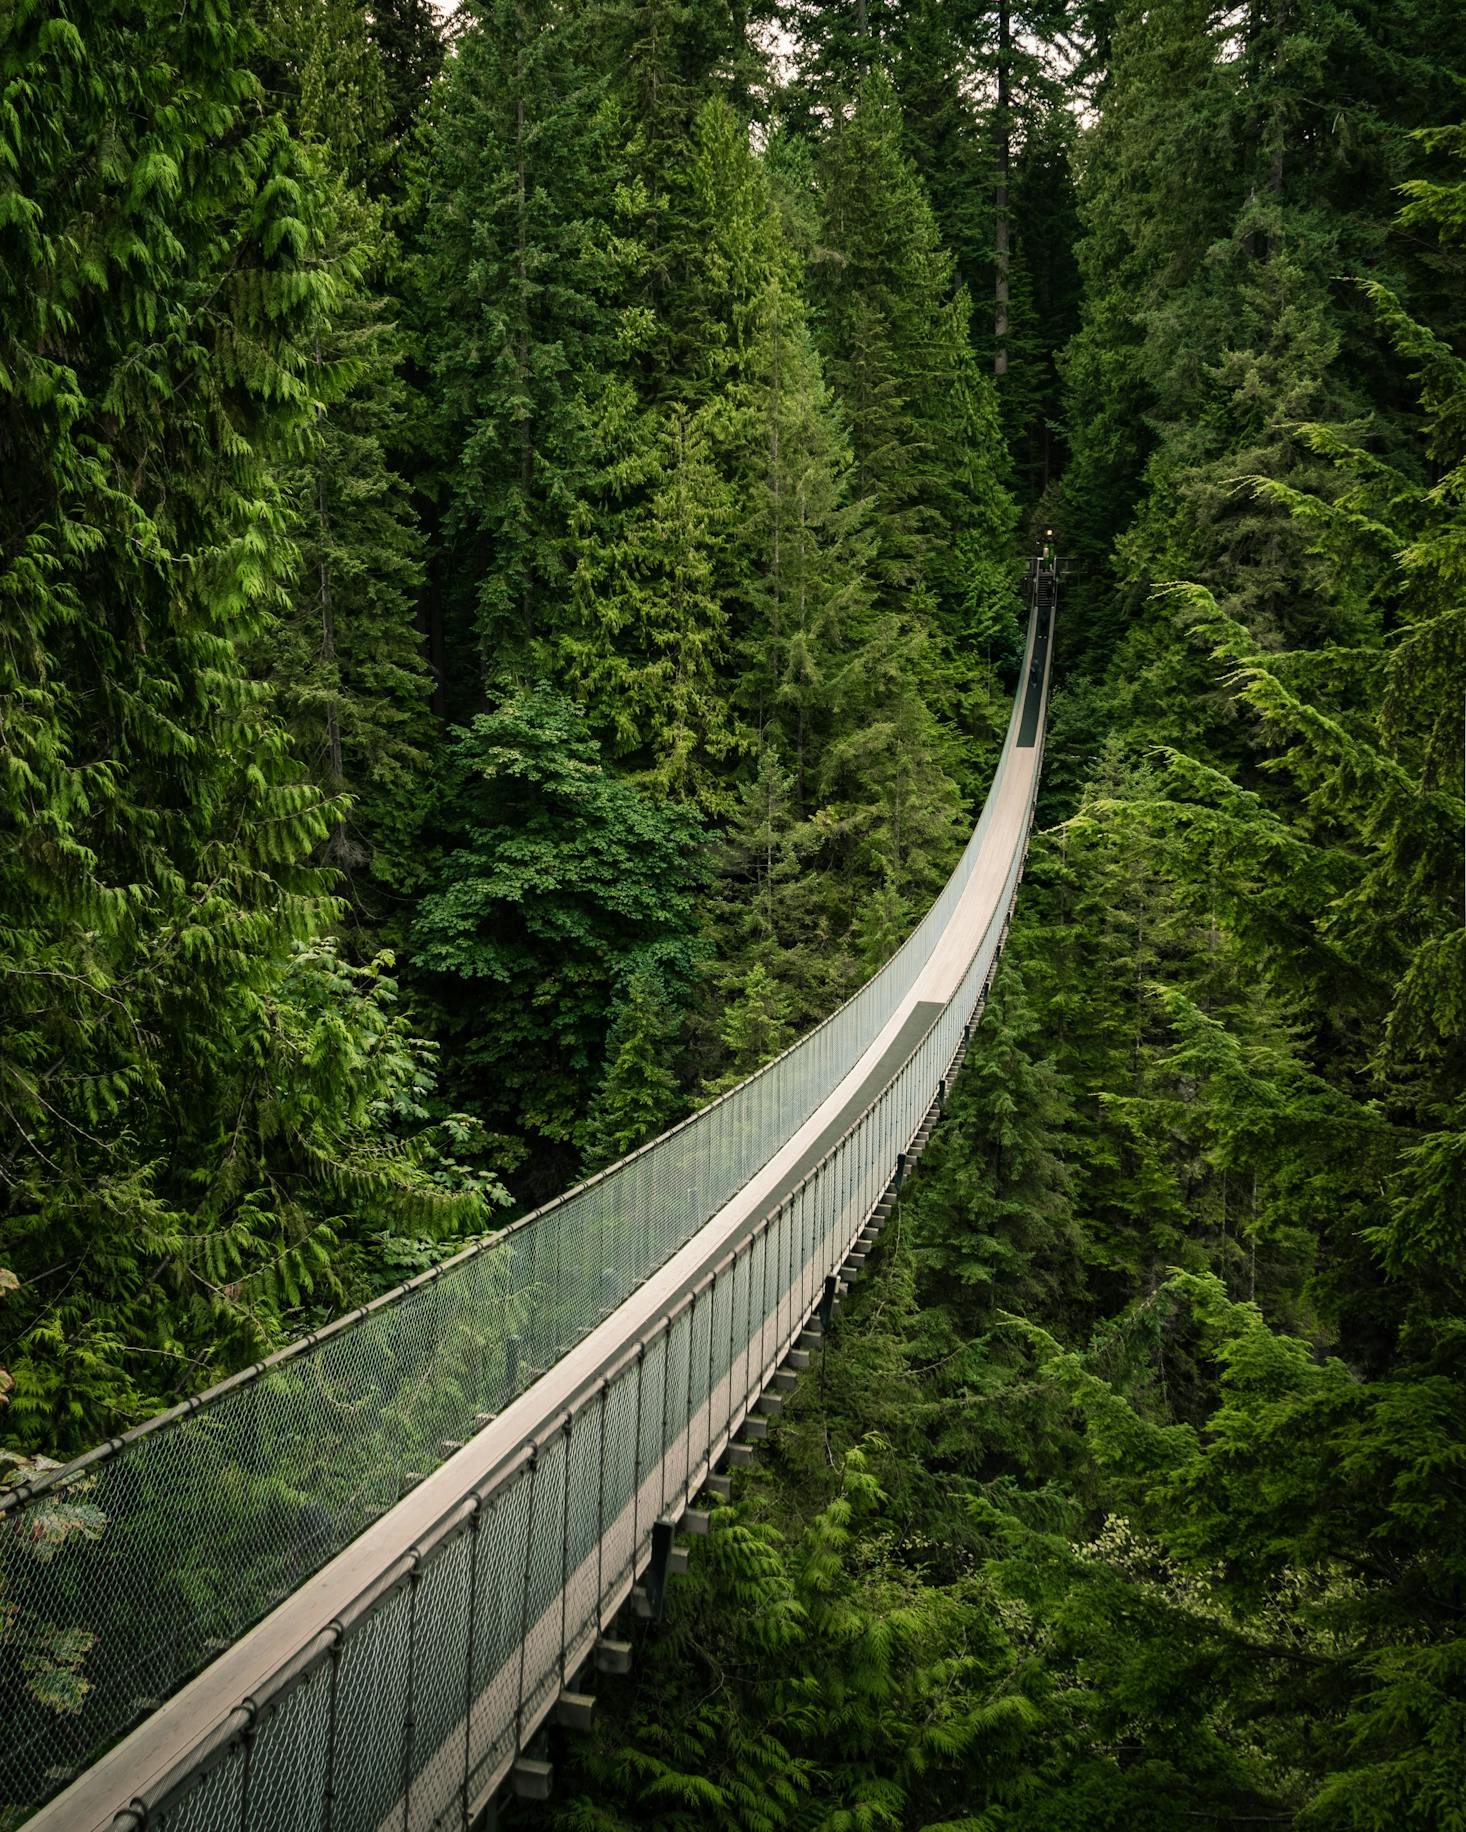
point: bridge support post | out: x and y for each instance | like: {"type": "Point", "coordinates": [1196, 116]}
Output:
{"type": "Point", "coordinates": [827, 1301]}
{"type": "Point", "coordinates": [612, 1656]}
{"type": "Point", "coordinates": [655, 1581]}
{"type": "Point", "coordinates": [532, 1776]}
{"type": "Point", "coordinates": [942, 1097]}
{"type": "Point", "coordinates": [900, 1171]}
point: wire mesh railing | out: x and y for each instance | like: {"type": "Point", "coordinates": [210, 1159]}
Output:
{"type": "Point", "coordinates": [411, 1708]}
{"type": "Point", "coordinates": [215, 1512]}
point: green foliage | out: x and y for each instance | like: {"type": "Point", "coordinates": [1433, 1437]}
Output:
{"type": "Point", "coordinates": [639, 1094]}
{"type": "Point", "coordinates": [554, 884]}
{"type": "Point", "coordinates": [1160, 1365]}
{"type": "Point", "coordinates": [181, 1158]}
{"type": "Point", "coordinates": [343, 662]}
{"type": "Point", "coordinates": [923, 417]}
{"type": "Point", "coordinates": [999, 1221]}
{"type": "Point", "coordinates": [844, 1692]}
{"type": "Point", "coordinates": [408, 36]}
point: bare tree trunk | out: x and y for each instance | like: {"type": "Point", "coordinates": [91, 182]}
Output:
{"type": "Point", "coordinates": [327, 601]}
{"type": "Point", "coordinates": [328, 640]}
{"type": "Point", "coordinates": [526, 425]}
{"type": "Point", "coordinates": [1275, 162]}
{"type": "Point", "coordinates": [428, 622]}
{"type": "Point", "coordinates": [1000, 322]}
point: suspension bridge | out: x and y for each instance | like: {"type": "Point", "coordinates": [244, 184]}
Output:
{"type": "Point", "coordinates": [347, 1589]}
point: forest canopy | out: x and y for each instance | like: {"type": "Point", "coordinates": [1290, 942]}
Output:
{"type": "Point", "coordinates": [510, 592]}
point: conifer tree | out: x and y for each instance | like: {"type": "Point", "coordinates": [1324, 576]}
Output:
{"type": "Point", "coordinates": [946, 136]}
{"type": "Point", "coordinates": [1158, 169]}
{"type": "Point", "coordinates": [667, 58]}
{"type": "Point", "coordinates": [771, 906]}
{"type": "Point", "coordinates": [755, 1025]}
{"type": "Point", "coordinates": [664, 577]}
{"type": "Point", "coordinates": [830, 684]}
{"type": "Point", "coordinates": [639, 1094]}
{"type": "Point", "coordinates": [1217, 224]}
{"type": "Point", "coordinates": [516, 293]}
{"type": "Point", "coordinates": [644, 635]}
{"type": "Point", "coordinates": [948, 60]}
{"type": "Point", "coordinates": [1045, 300]}
{"type": "Point", "coordinates": [1000, 1222]}
{"type": "Point", "coordinates": [552, 884]}
{"type": "Point", "coordinates": [838, 43]}
{"type": "Point", "coordinates": [927, 447]}
{"type": "Point", "coordinates": [325, 74]}
{"type": "Point", "coordinates": [164, 286]}
{"type": "Point", "coordinates": [345, 666]}
{"type": "Point", "coordinates": [409, 38]}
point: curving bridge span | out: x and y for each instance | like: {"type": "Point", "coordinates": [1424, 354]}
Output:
{"type": "Point", "coordinates": [345, 1590]}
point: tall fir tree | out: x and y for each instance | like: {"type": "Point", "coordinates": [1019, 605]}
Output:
{"type": "Point", "coordinates": [516, 292]}
{"type": "Point", "coordinates": [409, 36]}
{"type": "Point", "coordinates": [345, 667]}
{"type": "Point", "coordinates": [928, 449]}
{"type": "Point", "coordinates": [639, 1093]}
{"type": "Point", "coordinates": [176, 1143]}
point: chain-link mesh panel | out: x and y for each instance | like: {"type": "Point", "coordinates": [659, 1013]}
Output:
{"type": "Point", "coordinates": [743, 1310]}
{"type": "Point", "coordinates": [442, 1643]}
{"type": "Point", "coordinates": [578, 1611]}
{"type": "Point", "coordinates": [499, 1574]}
{"type": "Point", "coordinates": [545, 1566]}
{"type": "Point", "coordinates": [769, 1266]}
{"type": "Point", "coordinates": [788, 1244]}
{"type": "Point", "coordinates": [699, 1357]}
{"type": "Point", "coordinates": [373, 1692]}
{"type": "Point", "coordinates": [215, 1804]}
{"type": "Point", "coordinates": [619, 1480]}
{"type": "Point", "coordinates": [675, 1407]}
{"type": "Point", "coordinates": [649, 1430]}
{"type": "Point", "coordinates": [290, 1763]}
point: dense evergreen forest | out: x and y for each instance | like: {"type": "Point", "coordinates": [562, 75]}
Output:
{"type": "Point", "coordinates": [510, 564]}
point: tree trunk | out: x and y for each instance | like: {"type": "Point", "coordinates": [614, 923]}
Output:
{"type": "Point", "coordinates": [1000, 321]}
{"type": "Point", "coordinates": [328, 642]}
{"type": "Point", "coordinates": [526, 425]}
{"type": "Point", "coordinates": [326, 597]}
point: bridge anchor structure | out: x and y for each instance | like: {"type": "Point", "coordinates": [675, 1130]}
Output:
{"type": "Point", "coordinates": [350, 1589]}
